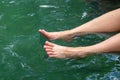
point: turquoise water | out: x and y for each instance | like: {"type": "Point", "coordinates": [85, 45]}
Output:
{"type": "Point", "coordinates": [21, 46]}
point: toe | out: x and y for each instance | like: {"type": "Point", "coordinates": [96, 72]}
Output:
{"type": "Point", "coordinates": [52, 56]}
{"type": "Point", "coordinates": [49, 43]}
{"type": "Point", "coordinates": [48, 50]}
{"type": "Point", "coordinates": [47, 47]}
{"type": "Point", "coordinates": [41, 31]}
{"type": "Point", "coordinates": [45, 33]}
{"type": "Point", "coordinates": [50, 53]}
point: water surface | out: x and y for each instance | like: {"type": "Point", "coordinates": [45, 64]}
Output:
{"type": "Point", "coordinates": [21, 46]}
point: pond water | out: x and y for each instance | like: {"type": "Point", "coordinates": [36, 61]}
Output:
{"type": "Point", "coordinates": [22, 56]}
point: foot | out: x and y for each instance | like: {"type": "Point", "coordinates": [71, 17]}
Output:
{"type": "Point", "coordinates": [57, 51]}
{"type": "Point", "coordinates": [63, 35]}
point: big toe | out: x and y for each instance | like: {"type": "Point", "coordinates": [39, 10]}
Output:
{"type": "Point", "coordinates": [49, 44]}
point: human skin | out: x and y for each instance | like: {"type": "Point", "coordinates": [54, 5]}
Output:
{"type": "Point", "coordinates": [108, 22]}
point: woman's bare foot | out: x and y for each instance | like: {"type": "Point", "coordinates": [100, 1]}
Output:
{"type": "Point", "coordinates": [63, 35]}
{"type": "Point", "coordinates": [57, 51]}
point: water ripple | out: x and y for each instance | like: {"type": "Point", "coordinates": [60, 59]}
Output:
{"type": "Point", "coordinates": [9, 48]}
{"type": "Point", "coordinates": [1, 15]}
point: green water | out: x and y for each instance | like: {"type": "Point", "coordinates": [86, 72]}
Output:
{"type": "Point", "coordinates": [21, 46]}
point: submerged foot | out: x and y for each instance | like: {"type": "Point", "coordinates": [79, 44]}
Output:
{"type": "Point", "coordinates": [57, 51]}
{"type": "Point", "coordinates": [63, 35]}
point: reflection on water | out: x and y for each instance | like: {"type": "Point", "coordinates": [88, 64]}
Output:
{"type": "Point", "coordinates": [21, 46]}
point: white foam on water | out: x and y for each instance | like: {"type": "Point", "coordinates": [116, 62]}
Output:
{"type": "Point", "coordinates": [84, 15]}
{"type": "Point", "coordinates": [48, 6]}
{"type": "Point", "coordinates": [9, 48]}
{"type": "Point", "coordinates": [11, 2]}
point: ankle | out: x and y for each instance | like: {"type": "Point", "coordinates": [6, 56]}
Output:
{"type": "Point", "coordinates": [72, 33]}
{"type": "Point", "coordinates": [77, 33]}
{"type": "Point", "coordinates": [69, 33]}
{"type": "Point", "coordinates": [87, 50]}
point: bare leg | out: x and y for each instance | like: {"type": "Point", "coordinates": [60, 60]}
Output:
{"type": "Point", "coordinates": [109, 45]}
{"type": "Point", "coordinates": [57, 51]}
{"type": "Point", "coordinates": [108, 22]}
